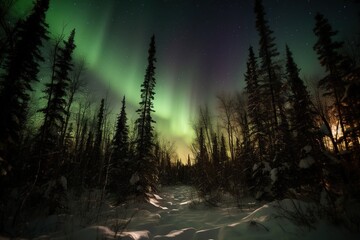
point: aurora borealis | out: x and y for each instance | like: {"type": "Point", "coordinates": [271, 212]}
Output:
{"type": "Point", "coordinates": [201, 47]}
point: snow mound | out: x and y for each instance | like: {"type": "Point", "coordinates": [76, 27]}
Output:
{"type": "Point", "coordinates": [306, 162]}
{"type": "Point", "coordinates": [154, 201]}
{"type": "Point", "coordinates": [272, 221]}
{"type": "Point", "coordinates": [134, 178]}
{"type": "Point", "coordinates": [273, 175]}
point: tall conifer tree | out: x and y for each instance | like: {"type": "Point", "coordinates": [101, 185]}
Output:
{"type": "Point", "coordinates": [302, 117]}
{"type": "Point", "coordinates": [20, 72]}
{"type": "Point", "coordinates": [302, 125]}
{"type": "Point", "coordinates": [55, 110]}
{"type": "Point", "coordinates": [259, 121]}
{"type": "Point", "coordinates": [121, 138]}
{"type": "Point", "coordinates": [255, 104]}
{"type": "Point", "coordinates": [96, 164]}
{"type": "Point", "coordinates": [268, 67]}
{"type": "Point", "coordinates": [146, 164]}
{"type": "Point", "coordinates": [330, 58]}
{"type": "Point", "coordinates": [121, 166]}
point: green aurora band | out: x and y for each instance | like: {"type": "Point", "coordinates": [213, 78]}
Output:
{"type": "Point", "coordinates": [113, 37]}
{"type": "Point", "coordinates": [121, 66]}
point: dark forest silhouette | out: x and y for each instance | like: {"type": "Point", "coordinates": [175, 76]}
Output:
{"type": "Point", "coordinates": [277, 140]}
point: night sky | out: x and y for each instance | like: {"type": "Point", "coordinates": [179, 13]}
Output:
{"type": "Point", "coordinates": [202, 47]}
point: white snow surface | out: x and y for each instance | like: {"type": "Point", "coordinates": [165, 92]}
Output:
{"type": "Point", "coordinates": [176, 213]}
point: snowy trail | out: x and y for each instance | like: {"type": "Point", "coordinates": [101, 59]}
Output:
{"type": "Point", "coordinates": [177, 214]}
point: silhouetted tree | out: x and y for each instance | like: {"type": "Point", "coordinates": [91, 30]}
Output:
{"type": "Point", "coordinates": [351, 105]}
{"type": "Point", "coordinates": [340, 69]}
{"type": "Point", "coordinates": [75, 85]}
{"type": "Point", "coordinates": [121, 138]}
{"type": "Point", "coordinates": [202, 155]}
{"type": "Point", "coordinates": [7, 31]}
{"type": "Point", "coordinates": [20, 71]}
{"type": "Point", "coordinates": [329, 56]}
{"type": "Point", "coordinates": [279, 138]}
{"type": "Point", "coordinates": [94, 149]}
{"type": "Point", "coordinates": [145, 163]}
{"type": "Point", "coordinates": [303, 127]}
{"type": "Point", "coordinates": [246, 156]}
{"type": "Point", "coordinates": [205, 179]}
{"type": "Point", "coordinates": [302, 115]}
{"type": "Point", "coordinates": [255, 105]}
{"type": "Point", "coordinates": [121, 166]}
{"type": "Point", "coordinates": [268, 67]}
{"type": "Point", "coordinates": [88, 167]}
{"type": "Point", "coordinates": [56, 90]}
{"type": "Point", "coordinates": [260, 129]}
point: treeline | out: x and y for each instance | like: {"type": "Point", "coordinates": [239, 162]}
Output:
{"type": "Point", "coordinates": [276, 139]}
{"type": "Point", "coordinates": [66, 143]}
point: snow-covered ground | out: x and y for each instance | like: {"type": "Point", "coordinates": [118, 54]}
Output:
{"type": "Point", "coordinates": [176, 213]}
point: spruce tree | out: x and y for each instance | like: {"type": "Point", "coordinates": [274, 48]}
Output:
{"type": "Point", "coordinates": [97, 158]}
{"type": "Point", "coordinates": [6, 30]}
{"type": "Point", "coordinates": [258, 123]}
{"type": "Point", "coordinates": [20, 72]}
{"type": "Point", "coordinates": [55, 110]}
{"type": "Point", "coordinates": [337, 66]}
{"type": "Point", "coordinates": [121, 138]}
{"type": "Point", "coordinates": [302, 116]}
{"type": "Point", "coordinates": [76, 84]}
{"type": "Point", "coordinates": [202, 155]}
{"type": "Point", "coordinates": [302, 125]}
{"type": "Point", "coordinates": [268, 67]}
{"type": "Point", "coordinates": [202, 166]}
{"type": "Point", "coordinates": [351, 106]}
{"type": "Point", "coordinates": [86, 176]}
{"type": "Point", "coordinates": [121, 168]}
{"type": "Point", "coordinates": [279, 141]}
{"type": "Point", "coordinates": [146, 165]}
{"type": "Point", "coordinates": [247, 145]}
{"type": "Point", "coordinates": [255, 105]}
{"type": "Point", "coordinates": [328, 51]}
{"type": "Point", "coordinates": [247, 154]}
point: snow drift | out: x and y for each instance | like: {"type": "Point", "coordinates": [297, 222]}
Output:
{"type": "Point", "coordinates": [176, 213]}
